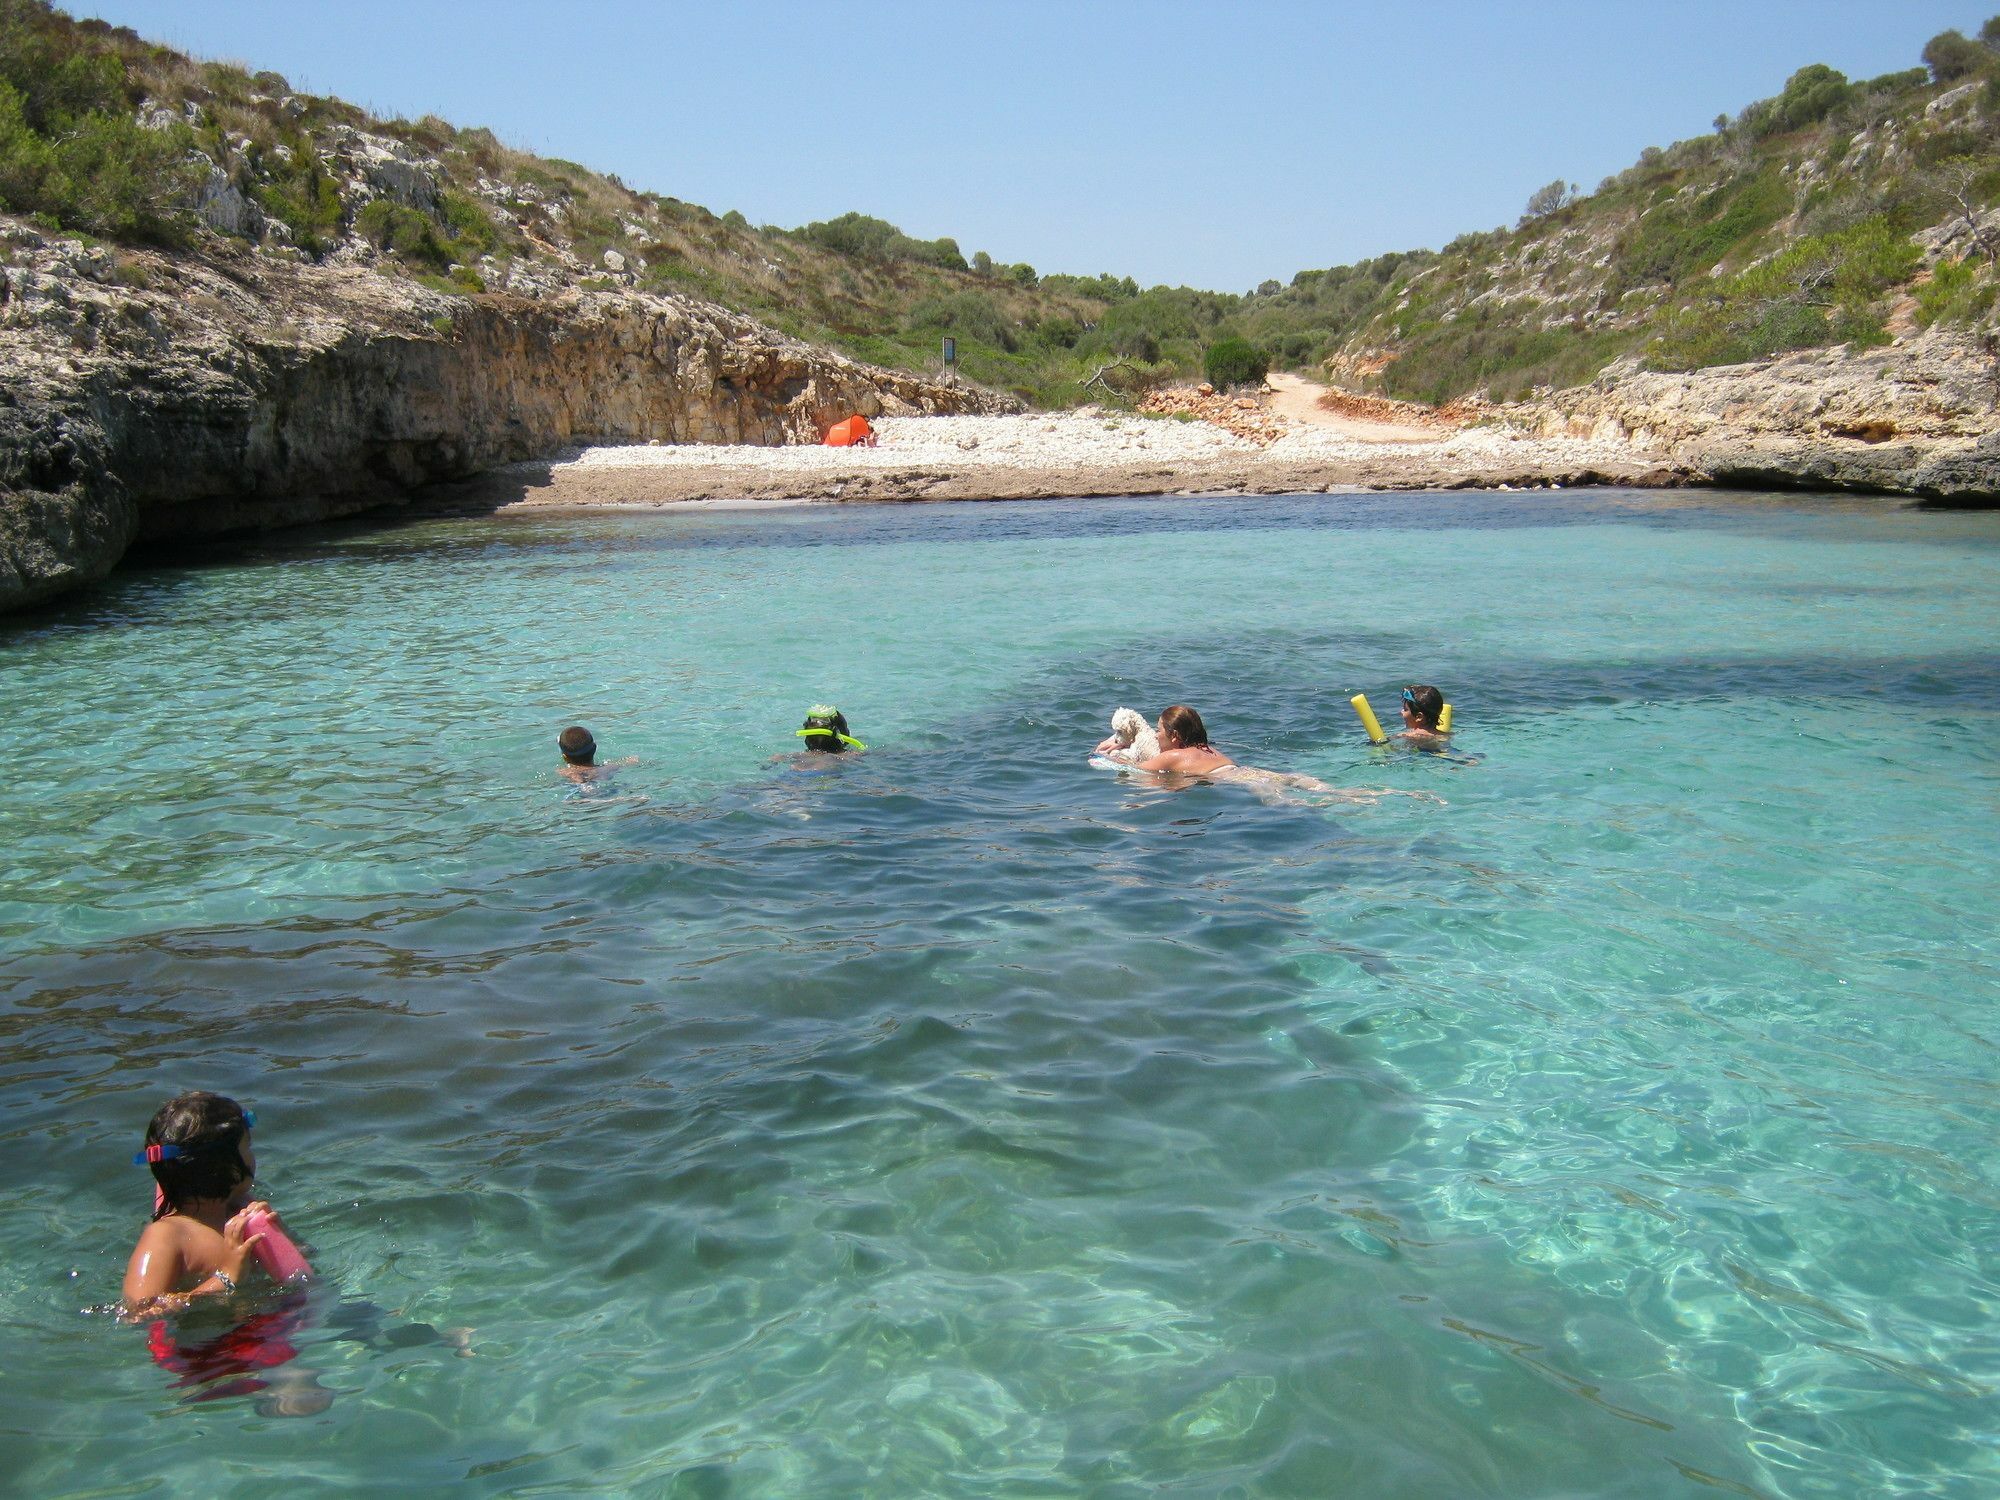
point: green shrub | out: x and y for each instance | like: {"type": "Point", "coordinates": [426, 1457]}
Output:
{"type": "Point", "coordinates": [99, 173]}
{"type": "Point", "coordinates": [1105, 288]}
{"type": "Point", "coordinates": [1234, 362]}
{"type": "Point", "coordinates": [402, 232]}
{"type": "Point", "coordinates": [470, 226]}
{"type": "Point", "coordinates": [70, 151]}
{"type": "Point", "coordinates": [875, 239]}
{"type": "Point", "coordinates": [1058, 332]}
{"type": "Point", "coordinates": [1958, 292]}
{"type": "Point", "coordinates": [463, 281]}
{"type": "Point", "coordinates": [1810, 95]}
{"type": "Point", "coordinates": [1672, 242]}
{"type": "Point", "coordinates": [1860, 327]}
{"type": "Point", "coordinates": [1952, 55]}
{"type": "Point", "coordinates": [1506, 355]}
{"type": "Point", "coordinates": [305, 200]}
{"type": "Point", "coordinates": [464, 234]}
{"type": "Point", "coordinates": [57, 87]}
{"type": "Point", "coordinates": [1825, 289]}
{"type": "Point", "coordinates": [965, 315]}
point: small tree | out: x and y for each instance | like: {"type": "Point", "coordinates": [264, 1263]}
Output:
{"type": "Point", "coordinates": [1546, 200]}
{"type": "Point", "coordinates": [1810, 95]}
{"type": "Point", "coordinates": [1234, 362]}
{"type": "Point", "coordinates": [1989, 34]}
{"type": "Point", "coordinates": [1951, 55]}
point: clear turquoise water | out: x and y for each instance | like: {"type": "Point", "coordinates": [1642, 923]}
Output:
{"type": "Point", "coordinates": [968, 1122]}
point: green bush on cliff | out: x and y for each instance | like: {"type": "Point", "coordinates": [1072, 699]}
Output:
{"type": "Point", "coordinates": [471, 228]}
{"type": "Point", "coordinates": [1952, 55]}
{"type": "Point", "coordinates": [1674, 240]}
{"type": "Point", "coordinates": [402, 232]}
{"type": "Point", "coordinates": [1825, 289]}
{"type": "Point", "coordinates": [1958, 292]}
{"type": "Point", "coordinates": [70, 151]}
{"type": "Point", "coordinates": [305, 200]}
{"type": "Point", "coordinates": [464, 235]}
{"type": "Point", "coordinates": [875, 239]}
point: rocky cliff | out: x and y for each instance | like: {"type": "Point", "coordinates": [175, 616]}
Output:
{"type": "Point", "coordinates": [145, 395]}
{"type": "Point", "coordinates": [1916, 418]}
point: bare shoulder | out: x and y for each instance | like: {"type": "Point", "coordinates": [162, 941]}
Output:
{"type": "Point", "coordinates": [158, 1261]}
{"type": "Point", "coordinates": [162, 1234]}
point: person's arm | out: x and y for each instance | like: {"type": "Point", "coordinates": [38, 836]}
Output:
{"type": "Point", "coordinates": [157, 1265]}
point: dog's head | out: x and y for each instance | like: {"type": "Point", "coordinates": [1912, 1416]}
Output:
{"type": "Point", "coordinates": [1127, 725]}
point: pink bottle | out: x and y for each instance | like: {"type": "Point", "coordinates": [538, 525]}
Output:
{"type": "Point", "coordinates": [276, 1253]}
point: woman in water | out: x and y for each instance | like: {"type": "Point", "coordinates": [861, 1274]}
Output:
{"type": "Point", "coordinates": [1184, 745]}
{"type": "Point", "coordinates": [1184, 748]}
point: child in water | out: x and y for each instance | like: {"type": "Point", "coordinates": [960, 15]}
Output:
{"type": "Point", "coordinates": [1421, 707]}
{"type": "Point", "coordinates": [198, 1245]}
{"type": "Point", "coordinates": [579, 753]}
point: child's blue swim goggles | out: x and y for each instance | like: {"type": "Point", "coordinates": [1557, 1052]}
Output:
{"type": "Point", "coordinates": [159, 1151]}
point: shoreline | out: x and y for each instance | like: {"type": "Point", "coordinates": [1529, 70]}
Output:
{"type": "Point", "coordinates": [1071, 456]}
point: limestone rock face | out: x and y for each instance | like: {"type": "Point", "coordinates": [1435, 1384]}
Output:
{"type": "Point", "coordinates": [1917, 418]}
{"type": "Point", "coordinates": [383, 168]}
{"type": "Point", "coordinates": [223, 207]}
{"type": "Point", "coordinates": [168, 398]}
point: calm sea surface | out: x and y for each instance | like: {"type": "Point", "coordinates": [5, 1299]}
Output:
{"type": "Point", "coordinates": [964, 1121]}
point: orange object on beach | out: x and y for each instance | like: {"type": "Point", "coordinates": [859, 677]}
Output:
{"type": "Point", "coordinates": [854, 432]}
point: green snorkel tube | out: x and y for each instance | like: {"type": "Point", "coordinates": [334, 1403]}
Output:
{"type": "Point", "coordinates": [826, 723]}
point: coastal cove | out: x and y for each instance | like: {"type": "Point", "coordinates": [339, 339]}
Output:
{"type": "Point", "coordinates": [964, 1120]}
{"type": "Point", "coordinates": [590, 905]}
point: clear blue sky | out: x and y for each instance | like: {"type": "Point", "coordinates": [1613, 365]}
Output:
{"type": "Point", "coordinates": [1211, 145]}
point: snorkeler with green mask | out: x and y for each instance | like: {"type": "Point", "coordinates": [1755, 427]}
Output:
{"type": "Point", "coordinates": [826, 731]}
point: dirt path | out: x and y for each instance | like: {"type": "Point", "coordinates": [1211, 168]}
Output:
{"type": "Point", "coordinates": [1298, 400]}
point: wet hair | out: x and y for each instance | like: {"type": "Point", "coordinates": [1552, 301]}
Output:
{"type": "Point", "coordinates": [1426, 703]}
{"type": "Point", "coordinates": [208, 1131]}
{"type": "Point", "coordinates": [833, 725]}
{"type": "Point", "coordinates": [1183, 725]}
{"type": "Point", "coordinates": [576, 745]}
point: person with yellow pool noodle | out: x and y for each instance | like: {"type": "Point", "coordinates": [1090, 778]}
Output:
{"type": "Point", "coordinates": [1426, 717]}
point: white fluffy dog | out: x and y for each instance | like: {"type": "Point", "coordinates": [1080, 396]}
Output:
{"type": "Point", "coordinates": [1132, 738]}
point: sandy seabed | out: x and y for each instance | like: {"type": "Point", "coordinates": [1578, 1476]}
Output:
{"type": "Point", "coordinates": [1071, 454]}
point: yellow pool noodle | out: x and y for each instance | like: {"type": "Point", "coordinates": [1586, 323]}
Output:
{"type": "Point", "coordinates": [1444, 719]}
{"type": "Point", "coordinates": [1368, 719]}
